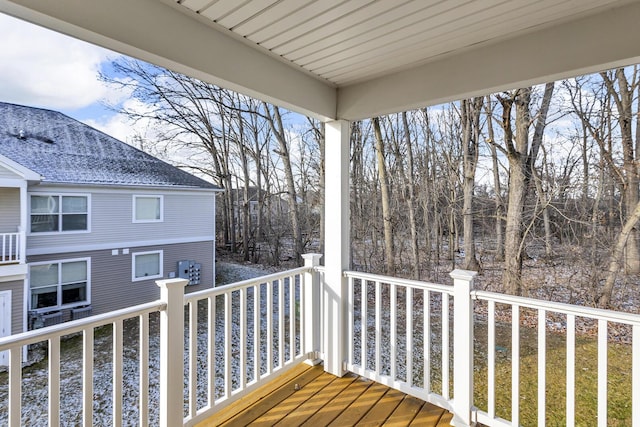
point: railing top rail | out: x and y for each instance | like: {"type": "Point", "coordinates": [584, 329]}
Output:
{"type": "Point", "coordinates": [558, 307]}
{"type": "Point", "coordinates": [220, 290]}
{"type": "Point", "coordinates": [445, 289]}
{"type": "Point", "coordinates": [67, 328]}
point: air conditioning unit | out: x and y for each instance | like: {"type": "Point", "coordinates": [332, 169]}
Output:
{"type": "Point", "coordinates": [81, 312]}
{"type": "Point", "coordinates": [41, 320]}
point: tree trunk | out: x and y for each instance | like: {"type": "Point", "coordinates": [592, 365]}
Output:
{"type": "Point", "coordinates": [275, 122]}
{"type": "Point", "coordinates": [544, 207]}
{"type": "Point", "coordinates": [470, 118]}
{"type": "Point", "coordinates": [617, 255]}
{"type": "Point", "coordinates": [385, 194]}
{"type": "Point", "coordinates": [410, 184]}
{"type": "Point", "coordinates": [497, 187]}
{"type": "Point", "coordinates": [521, 156]}
{"type": "Point", "coordinates": [623, 98]}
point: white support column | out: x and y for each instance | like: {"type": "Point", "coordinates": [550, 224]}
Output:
{"type": "Point", "coordinates": [312, 309]}
{"type": "Point", "coordinates": [171, 352]}
{"type": "Point", "coordinates": [337, 244]}
{"type": "Point", "coordinates": [462, 347]}
{"type": "Point", "coordinates": [24, 216]}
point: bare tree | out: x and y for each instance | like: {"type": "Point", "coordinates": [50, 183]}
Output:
{"type": "Point", "coordinates": [385, 194]}
{"type": "Point", "coordinates": [497, 186]}
{"type": "Point", "coordinates": [522, 154]}
{"type": "Point", "coordinates": [410, 188]}
{"type": "Point", "coordinates": [275, 121]}
{"type": "Point", "coordinates": [470, 117]}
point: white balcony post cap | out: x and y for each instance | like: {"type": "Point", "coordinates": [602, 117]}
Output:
{"type": "Point", "coordinates": [311, 260]}
{"type": "Point", "coordinates": [172, 283]}
{"type": "Point", "coordinates": [466, 275]}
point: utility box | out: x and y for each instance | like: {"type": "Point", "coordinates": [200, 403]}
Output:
{"type": "Point", "coordinates": [190, 270]}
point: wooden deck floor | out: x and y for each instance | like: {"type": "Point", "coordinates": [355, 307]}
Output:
{"type": "Point", "coordinates": [308, 396]}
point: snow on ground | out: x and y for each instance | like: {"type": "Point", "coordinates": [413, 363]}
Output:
{"type": "Point", "coordinates": [228, 272]}
{"type": "Point", "coordinates": [35, 375]}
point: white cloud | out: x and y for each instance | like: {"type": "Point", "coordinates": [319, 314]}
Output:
{"type": "Point", "coordinates": [43, 68]}
{"type": "Point", "coordinates": [121, 127]}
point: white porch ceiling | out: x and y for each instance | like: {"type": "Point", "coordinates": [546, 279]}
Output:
{"type": "Point", "coordinates": [351, 59]}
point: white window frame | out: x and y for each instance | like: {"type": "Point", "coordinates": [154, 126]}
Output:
{"type": "Point", "coordinates": [133, 266]}
{"type": "Point", "coordinates": [61, 306]}
{"type": "Point", "coordinates": [60, 214]}
{"type": "Point", "coordinates": [147, 196]}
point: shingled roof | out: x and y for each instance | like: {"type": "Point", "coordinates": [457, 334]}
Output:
{"type": "Point", "coordinates": [64, 150]}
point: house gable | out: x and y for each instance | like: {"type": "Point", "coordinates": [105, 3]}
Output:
{"type": "Point", "coordinates": [11, 170]}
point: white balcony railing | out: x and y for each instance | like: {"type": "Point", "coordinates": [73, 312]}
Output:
{"type": "Point", "coordinates": [242, 335]}
{"type": "Point", "coordinates": [413, 336]}
{"type": "Point", "coordinates": [220, 366]}
{"type": "Point", "coordinates": [11, 245]}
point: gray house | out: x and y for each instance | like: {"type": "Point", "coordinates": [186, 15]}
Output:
{"type": "Point", "coordinates": [88, 223]}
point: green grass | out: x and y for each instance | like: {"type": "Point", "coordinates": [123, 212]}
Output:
{"type": "Point", "coordinates": [586, 380]}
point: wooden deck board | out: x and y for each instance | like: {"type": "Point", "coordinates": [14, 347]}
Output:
{"type": "Point", "coordinates": [429, 415]}
{"type": "Point", "coordinates": [361, 406]}
{"type": "Point", "coordinates": [281, 414]}
{"type": "Point", "coordinates": [317, 402]}
{"type": "Point", "coordinates": [405, 412]}
{"type": "Point", "coordinates": [321, 399]}
{"type": "Point", "coordinates": [272, 398]}
{"type": "Point", "coordinates": [338, 404]}
{"type": "Point", "coordinates": [379, 413]}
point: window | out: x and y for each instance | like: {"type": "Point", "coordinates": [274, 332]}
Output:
{"type": "Point", "coordinates": [58, 213]}
{"type": "Point", "coordinates": [147, 208]}
{"type": "Point", "coordinates": [147, 265]}
{"type": "Point", "coordinates": [54, 285]}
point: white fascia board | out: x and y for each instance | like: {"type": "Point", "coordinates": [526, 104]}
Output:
{"type": "Point", "coordinates": [157, 32]}
{"type": "Point", "coordinates": [113, 188]}
{"type": "Point", "coordinates": [13, 272]}
{"type": "Point", "coordinates": [18, 169]}
{"type": "Point", "coordinates": [594, 43]}
{"type": "Point", "coordinates": [117, 245]}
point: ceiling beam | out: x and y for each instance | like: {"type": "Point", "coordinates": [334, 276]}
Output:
{"type": "Point", "coordinates": [158, 33]}
{"type": "Point", "coordinates": [606, 40]}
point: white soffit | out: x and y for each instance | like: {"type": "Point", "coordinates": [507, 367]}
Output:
{"type": "Point", "coordinates": [353, 59]}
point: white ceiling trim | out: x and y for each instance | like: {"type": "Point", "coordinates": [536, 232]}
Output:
{"type": "Point", "coordinates": [594, 43]}
{"type": "Point", "coordinates": [171, 35]}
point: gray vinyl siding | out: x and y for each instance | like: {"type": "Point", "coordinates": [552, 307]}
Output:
{"type": "Point", "coordinates": [111, 284]}
{"type": "Point", "coordinates": [6, 173]}
{"type": "Point", "coordinates": [17, 303]}
{"type": "Point", "coordinates": [188, 216]}
{"type": "Point", "coordinates": [9, 209]}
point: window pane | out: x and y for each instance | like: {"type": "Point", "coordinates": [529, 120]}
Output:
{"type": "Point", "coordinates": [74, 271]}
{"type": "Point", "coordinates": [74, 222]}
{"type": "Point", "coordinates": [147, 208]}
{"type": "Point", "coordinates": [74, 204]}
{"type": "Point", "coordinates": [74, 292]}
{"type": "Point", "coordinates": [44, 204]}
{"type": "Point", "coordinates": [44, 297]}
{"type": "Point", "coordinates": [43, 223]}
{"type": "Point", "coordinates": [147, 265]}
{"type": "Point", "coordinates": [42, 275]}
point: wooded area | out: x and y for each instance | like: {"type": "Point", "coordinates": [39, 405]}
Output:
{"type": "Point", "coordinates": [546, 173]}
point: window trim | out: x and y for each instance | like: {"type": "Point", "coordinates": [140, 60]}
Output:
{"type": "Point", "coordinates": [61, 306]}
{"type": "Point", "coordinates": [143, 221]}
{"type": "Point", "coordinates": [60, 214]}
{"type": "Point", "coordinates": [160, 274]}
